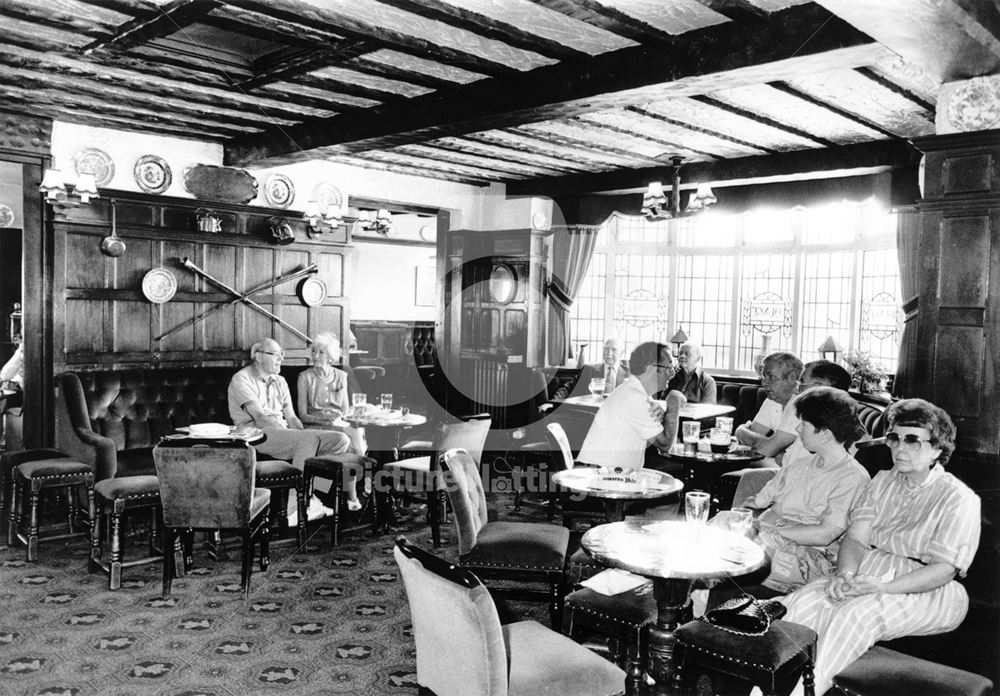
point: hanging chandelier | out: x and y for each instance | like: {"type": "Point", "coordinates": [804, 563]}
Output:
{"type": "Point", "coordinates": [655, 203]}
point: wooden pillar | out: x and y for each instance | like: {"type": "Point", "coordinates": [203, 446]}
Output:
{"type": "Point", "coordinates": [954, 358]}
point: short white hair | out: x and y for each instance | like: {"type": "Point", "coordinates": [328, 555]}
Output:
{"type": "Point", "coordinates": [616, 342]}
{"type": "Point", "coordinates": [695, 348]}
{"type": "Point", "coordinates": [260, 344]}
{"type": "Point", "coordinates": [330, 342]}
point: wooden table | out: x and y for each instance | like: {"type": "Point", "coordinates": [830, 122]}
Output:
{"type": "Point", "coordinates": [689, 411]}
{"type": "Point", "coordinates": [702, 470]}
{"type": "Point", "coordinates": [673, 555]}
{"type": "Point", "coordinates": [588, 480]}
{"type": "Point", "coordinates": [382, 429]}
{"type": "Point", "coordinates": [250, 435]}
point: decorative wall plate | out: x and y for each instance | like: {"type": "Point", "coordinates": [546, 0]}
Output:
{"type": "Point", "coordinates": [6, 216]}
{"type": "Point", "coordinates": [279, 191]}
{"type": "Point", "coordinates": [90, 160]}
{"type": "Point", "coordinates": [159, 285]}
{"type": "Point", "coordinates": [152, 174]}
{"type": "Point", "coordinates": [210, 182]}
{"type": "Point", "coordinates": [327, 196]}
{"type": "Point", "coordinates": [428, 233]}
{"type": "Point", "coordinates": [312, 291]}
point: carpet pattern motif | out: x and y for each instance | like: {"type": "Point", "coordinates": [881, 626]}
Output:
{"type": "Point", "coordinates": [320, 621]}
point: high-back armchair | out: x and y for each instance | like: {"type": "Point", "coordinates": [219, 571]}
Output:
{"type": "Point", "coordinates": [211, 487]}
{"type": "Point", "coordinates": [462, 649]}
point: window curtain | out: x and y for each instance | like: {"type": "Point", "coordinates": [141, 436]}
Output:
{"type": "Point", "coordinates": [908, 225]}
{"type": "Point", "coordinates": [572, 249]}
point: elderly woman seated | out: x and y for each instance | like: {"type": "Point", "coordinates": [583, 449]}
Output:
{"type": "Point", "coordinates": [323, 399]}
{"type": "Point", "coordinates": [914, 530]}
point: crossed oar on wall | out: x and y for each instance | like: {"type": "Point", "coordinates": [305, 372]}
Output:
{"type": "Point", "coordinates": [243, 297]}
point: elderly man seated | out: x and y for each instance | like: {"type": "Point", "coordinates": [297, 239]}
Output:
{"type": "Point", "coordinates": [630, 419]}
{"type": "Point", "coordinates": [691, 380]}
{"type": "Point", "coordinates": [259, 396]}
{"type": "Point", "coordinates": [611, 370]}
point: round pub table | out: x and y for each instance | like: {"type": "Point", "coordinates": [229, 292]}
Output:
{"type": "Point", "coordinates": [614, 492]}
{"type": "Point", "coordinates": [674, 555]}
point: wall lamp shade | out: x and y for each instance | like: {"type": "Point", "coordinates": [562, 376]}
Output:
{"type": "Point", "coordinates": [831, 345]}
{"type": "Point", "coordinates": [317, 222]}
{"type": "Point", "coordinates": [679, 337]}
{"type": "Point", "coordinates": [55, 190]}
{"type": "Point", "coordinates": [656, 205]}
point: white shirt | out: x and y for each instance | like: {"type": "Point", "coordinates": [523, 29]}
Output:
{"type": "Point", "coordinates": [621, 429]}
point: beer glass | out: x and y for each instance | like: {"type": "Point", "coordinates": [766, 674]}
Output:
{"type": "Point", "coordinates": [690, 432]}
{"type": "Point", "coordinates": [696, 505]}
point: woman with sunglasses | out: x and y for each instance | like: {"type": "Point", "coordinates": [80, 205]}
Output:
{"type": "Point", "coordinates": [915, 529]}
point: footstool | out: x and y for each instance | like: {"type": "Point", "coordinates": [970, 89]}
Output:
{"type": "Point", "coordinates": [885, 672]}
{"type": "Point", "coordinates": [33, 477]}
{"type": "Point", "coordinates": [116, 497]}
{"type": "Point", "coordinates": [768, 661]}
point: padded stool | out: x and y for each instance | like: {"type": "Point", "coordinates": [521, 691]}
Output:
{"type": "Point", "coordinates": [624, 617]}
{"type": "Point", "coordinates": [34, 477]}
{"type": "Point", "coordinates": [281, 476]}
{"type": "Point", "coordinates": [885, 672]}
{"type": "Point", "coordinates": [8, 460]}
{"type": "Point", "coordinates": [115, 497]}
{"type": "Point", "coordinates": [331, 466]}
{"type": "Point", "coordinates": [776, 658]}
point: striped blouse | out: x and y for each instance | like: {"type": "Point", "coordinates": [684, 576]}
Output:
{"type": "Point", "coordinates": [935, 521]}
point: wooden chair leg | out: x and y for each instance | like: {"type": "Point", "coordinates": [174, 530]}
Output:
{"type": "Point", "coordinates": [169, 559]}
{"type": "Point", "coordinates": [32, 553]}
{"type": "Point", "coordinates": [265, 544]}
{"type": "Point", "coordinates": [300, 496]}
{"type": "Point", "coordinates": [247, 562]}
{"type": "Point", "coordinates": [115, 561]}
{"type": "Point", "coordinates": [337, 487]}
{"type": "Point", "coordinates": [95, 542]}
{"type": "Point", "coordinates": [633, 665]}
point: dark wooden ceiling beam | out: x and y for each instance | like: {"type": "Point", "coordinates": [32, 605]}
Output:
{"type": "Point", "coordinates": [310, 16]}
{"type": "Point", "coordinates": [643, 111]}
{"type": "Point", "coordinates": [833, 108]}
{"type": "Point", "coordinates": [152, 79]}
{"type": "Point", "coordinates": [585, 122]}
{"type": "Point", "coordinates": [39, 14]}
{"type": "Point", "coordinates": [515, 152]}
{"type": "Point", "coordinates": [451, 155]}
{"type": "Point", "coordinates": [764, 120]}
{"type": "Point", "coordinates": [392, 72]}
{"type": "Point", "coordinates": [841, 160]}
{"type": "Point", "coordinates": [394, 157]}
{"type": "Point", "coordinates": [572, 155]}
{"type": "Point", "coordinates": [497, 160]}
{"type": "Point", "coordinates": [410, 170]}
{"type": "Point", "coordinates": [289, 65]}
{"type": "Point", "coordinates": [490, 28]}
{"type": "Point", "coordinates": [172, 17]}
{"type": "Point", "coordinates": [802, 38]}
{"type": "Point", "coordinates": [607, 18]}
{"type": "Point", "coordinates": [619, 155]}
{"type": "Point", "coordinates": [894, 87]}
{"type": "Point", "coordinates": [143, 102]}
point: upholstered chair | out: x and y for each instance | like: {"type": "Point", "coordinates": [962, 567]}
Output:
{"type": "Point", "coordinates": [210, 487]}
{"type": "Point", "coordinates": [518, 554]}
{"type": "Point", "coordinates": [462, 649]}
{"type": "Point", "coordinates": [417, 479]}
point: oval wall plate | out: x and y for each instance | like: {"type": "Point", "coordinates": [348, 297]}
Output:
{"type": "Point", "coordinates": [211, 182]}
{"type": "Point", "coordinates": [152, 174]}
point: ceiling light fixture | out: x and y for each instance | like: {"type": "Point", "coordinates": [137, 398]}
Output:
{"type": "Point", "coordinates": [654, 201]}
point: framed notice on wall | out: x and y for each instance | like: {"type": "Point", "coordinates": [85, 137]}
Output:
{"type": "Point", "coordinates": [425, 286]}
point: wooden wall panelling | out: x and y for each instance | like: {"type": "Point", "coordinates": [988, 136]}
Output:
{"type": "Point", "coordinates": [959, 304]}
{"type": "Point", "coordinates": [104, 319]}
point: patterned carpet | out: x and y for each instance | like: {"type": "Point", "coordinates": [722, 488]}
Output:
{"type": "Point", "coordinates": [317, 622]}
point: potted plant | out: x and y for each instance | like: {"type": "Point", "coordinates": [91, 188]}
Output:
{"type": "Point", "coordinates": [867, 375]}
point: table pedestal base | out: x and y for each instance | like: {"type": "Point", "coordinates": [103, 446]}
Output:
{"type": "Point", "coordinates": [671, 597]}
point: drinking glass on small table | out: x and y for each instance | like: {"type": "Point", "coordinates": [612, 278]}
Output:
{"type": "Point", "coordinates": [691, 432]}
{"type": "Point", "coordinates": [696, 504]}
{"type": "Point", "coordinates": [386, 402]}
{"type": "Point", "coordinates": [596, 387]}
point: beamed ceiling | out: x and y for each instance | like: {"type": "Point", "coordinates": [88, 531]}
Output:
{"type": "Point", "coordinates": [546, 96]}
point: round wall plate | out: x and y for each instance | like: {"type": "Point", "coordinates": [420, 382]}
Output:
{"type": "Point", "coordinates": [90, 160]}
{"type": "Point", "coordinates": [152, 174]}
{"type": "Point", "coordinates": [312, 291]}
{"type": "Point", "coordinates": [159, 285]}
{"type": "Point", "coordinates": [279, 191]}
{"type": "Point", "coordinates": [6, 216]}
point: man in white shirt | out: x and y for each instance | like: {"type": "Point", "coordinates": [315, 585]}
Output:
{"type": "Point", "coordinates": [630, 420]}
{"type": "Point", "coordinates": [773, 430]}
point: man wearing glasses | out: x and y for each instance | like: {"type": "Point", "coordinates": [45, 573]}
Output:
{"type": "Point", "coordinates": [630, 420]}
{"type": "Point", "coordinates": [259, 396]}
